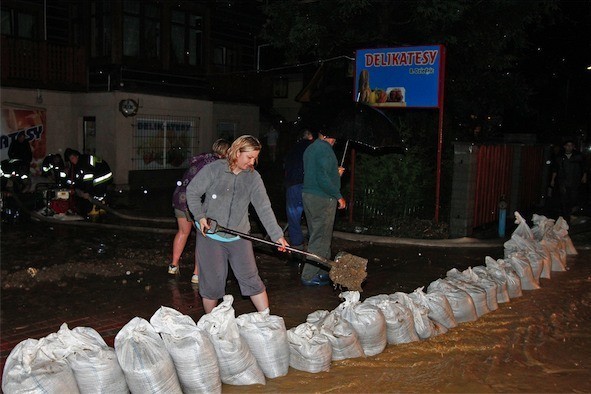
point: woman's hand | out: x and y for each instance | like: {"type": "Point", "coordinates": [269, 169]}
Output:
{"type": "Point", "coordinates": [204, 224]}
{"type": "Point", "coordinates": [283, 243]}
{"type": "Point", "coordinates": [342, 203]}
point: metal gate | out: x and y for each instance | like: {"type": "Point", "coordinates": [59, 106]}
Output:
{"type": "Point", "coordinates": [510, 171]}
{"type": "Point", "coordinates": [493, 180]}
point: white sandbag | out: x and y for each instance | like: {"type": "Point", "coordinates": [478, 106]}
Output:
{"type": "Point", "coordinates": [459, 300]}
{"type": "Point", "coordinates": [526, 248]}
{"type": "Point", "coordinates": [424, 326]}
{"type": "Point", "coordinates": [542, 225]}
{"type": "Point", "coordinates": [28, 369]}
{"type": "Point", "coordinates": [400, 325]}
{"type": "Point", "coordinates": [191, 350]}
{"type": "Point", "coordinates": [266, 337]}
{"type": "Point", "coordinates": [439, 309]}
{"type": "Point", "coordinates": [237, 363]}
{"type": "Point", "coordinates": [93, 362]}
{"type": "Point", "coordinates": [143, 357]}
{"type": "Point", "coordinates": [488, 285]}
{"type": "Point", "coordinates": [367, 320]}
{"type": "Point", "coordinates": [521, 266]}
{"type": "Point", "coordinates": [469, 278]}
{"type": "Point", "coordinates": [478, 294]}
{"type": "Point", "coordinates": [561, 230]}
{"type": "Point", "coordinates": [495, 276]}
{"type": "Point", "coordinates": [549, 250]}
{"type": "Point", "coordinates": [522, 229]}
{"type": "Point", "coordinates": [544, 234]}
{"type": "Point", "coordinates": [340, 333]}
{"type": "Point", "coordinates": [309, 350]}
{"type": "Point", "coordinates": [513, 280]}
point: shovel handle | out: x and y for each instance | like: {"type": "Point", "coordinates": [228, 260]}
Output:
{"type": "Point", "coordinates": [215, 227]}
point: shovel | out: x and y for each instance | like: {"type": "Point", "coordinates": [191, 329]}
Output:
{"type": "Point", "coordinates": [346, 270]}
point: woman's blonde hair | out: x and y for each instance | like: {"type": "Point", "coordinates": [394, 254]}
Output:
{"type": "Point", "coordinates": [220, 147]}
{"type": "Point", "coordinates": [244, 143]}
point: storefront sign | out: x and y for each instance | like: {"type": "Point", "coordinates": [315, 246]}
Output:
{"type": "Point", "coordinates": [399, 77]}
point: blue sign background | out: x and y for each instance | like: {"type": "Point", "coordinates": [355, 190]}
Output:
{"type": "Point", "coordinates": [398, 77]}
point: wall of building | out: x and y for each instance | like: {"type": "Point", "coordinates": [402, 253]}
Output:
{"type": "Point", "coordinates": [114, 132]}
{"type": "Point", "coordinates": [288, 107]}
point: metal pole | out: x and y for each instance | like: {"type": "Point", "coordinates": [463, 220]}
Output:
{"type": "Point", "coordinates": [352, 186]}
{"type": "Point", "coordinates": [440, 135]}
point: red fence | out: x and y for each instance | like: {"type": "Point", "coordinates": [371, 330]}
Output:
{"type": "Point", "coordinates": [497, 173]}
{"type": "Point", "coordinates": [493, 180]}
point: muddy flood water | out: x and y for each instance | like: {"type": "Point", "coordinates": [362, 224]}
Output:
{"type": "Point", "coordinates": [540, 342]}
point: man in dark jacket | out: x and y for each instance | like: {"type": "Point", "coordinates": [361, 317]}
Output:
{"type": "Point", "coordinates": [568, 175]}
{"type": "Point", "coordinates": [90, 176]}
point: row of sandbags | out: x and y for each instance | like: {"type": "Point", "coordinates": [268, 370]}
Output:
{"type": "Point", "coordinates": [173, 354]}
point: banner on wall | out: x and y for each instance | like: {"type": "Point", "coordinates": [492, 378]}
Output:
{"type": "Point", "coordinates": [31, 122]}
{"type": "Point", "coordinates": [399, 77]}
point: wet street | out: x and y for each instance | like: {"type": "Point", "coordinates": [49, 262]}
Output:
{"type": "Point", "coordinates": [101, 276]}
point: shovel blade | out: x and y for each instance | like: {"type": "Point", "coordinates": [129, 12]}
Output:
{"type": "Point", "coordinates": [349, 271]}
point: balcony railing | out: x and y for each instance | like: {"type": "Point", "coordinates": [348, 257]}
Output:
{"type": "Point", "coordinates": [39, 64]}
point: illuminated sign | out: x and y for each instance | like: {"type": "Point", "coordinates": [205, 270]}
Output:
{"type": "Point", "coordinates": [399, 77]}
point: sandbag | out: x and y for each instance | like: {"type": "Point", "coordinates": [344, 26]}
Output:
{"type": "Point", "coordinates": [191, 350]}
{"type": "Point", "coordinates": [367, 320]}
{"type": "Point", "coordinates": [424, 326]}
{"type": "Point", "coordinates": [526, 249]}
{"type": "Point", "coordinates": [143, 357]}
{"type": "Point", "coordinates": [495, 276]}
{"type": "Point", "coordinates": [266, 337]}
{"type": "Point", "coordinates": [93, 362]}
{"type": "Point", "coordinates": [309, 350]}
{"type": "Point", "coordinates": [513, 280]}
{"type": "Point", "coordinates": [400, 325]}
{"type": "Point", "coordinates": [28, 369]}
{"type": "Point", "coordinates": [468, 277]}
{"type": "Point", "coordinates": [561, 230]}
{"type": "Point", "coordinates": [459, 300]}
{"type": "Point", "coordinates": [237, 363]}
{"type": "Point", "coordinates": [339, 332]}
{"type": "Point", "coordinates": [521, 266]}
{"type": "Point", "coordinates": [439, 309]}
{"type": "Point", "coordinates": [478, 294]}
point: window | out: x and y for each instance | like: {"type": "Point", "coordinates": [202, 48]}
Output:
{"type": "Point", "coordinates": [164, 142]}
{"type": "Point", "coordinates": [223, 56]}
{"type": "Point", "coordinates": [186, 38]}
{"type": "Point", "coordinates": [19, 24]}
{"type": "Point", "coordinates": [141, 29]}
{"type": "Point", "coordinates": [100, 29]}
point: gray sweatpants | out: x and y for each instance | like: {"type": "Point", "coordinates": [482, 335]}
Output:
{"type": "Point", "coordinates": [212, 258]}
{"type": "Point", "coordinates": [320, 215]}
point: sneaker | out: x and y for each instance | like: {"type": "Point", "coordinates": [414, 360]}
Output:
{"type": "Point", "coordinates": [173, 269]}
{"type": "Point", "coordinates": [195, 279]}
{"type": "Point", "coordinates": [317, 280]}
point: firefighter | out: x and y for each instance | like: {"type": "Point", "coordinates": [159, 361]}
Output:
{"type": "Point", "coordinates": [90, 176]}
{"type": "Point", "coordinates": [54, 168]}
